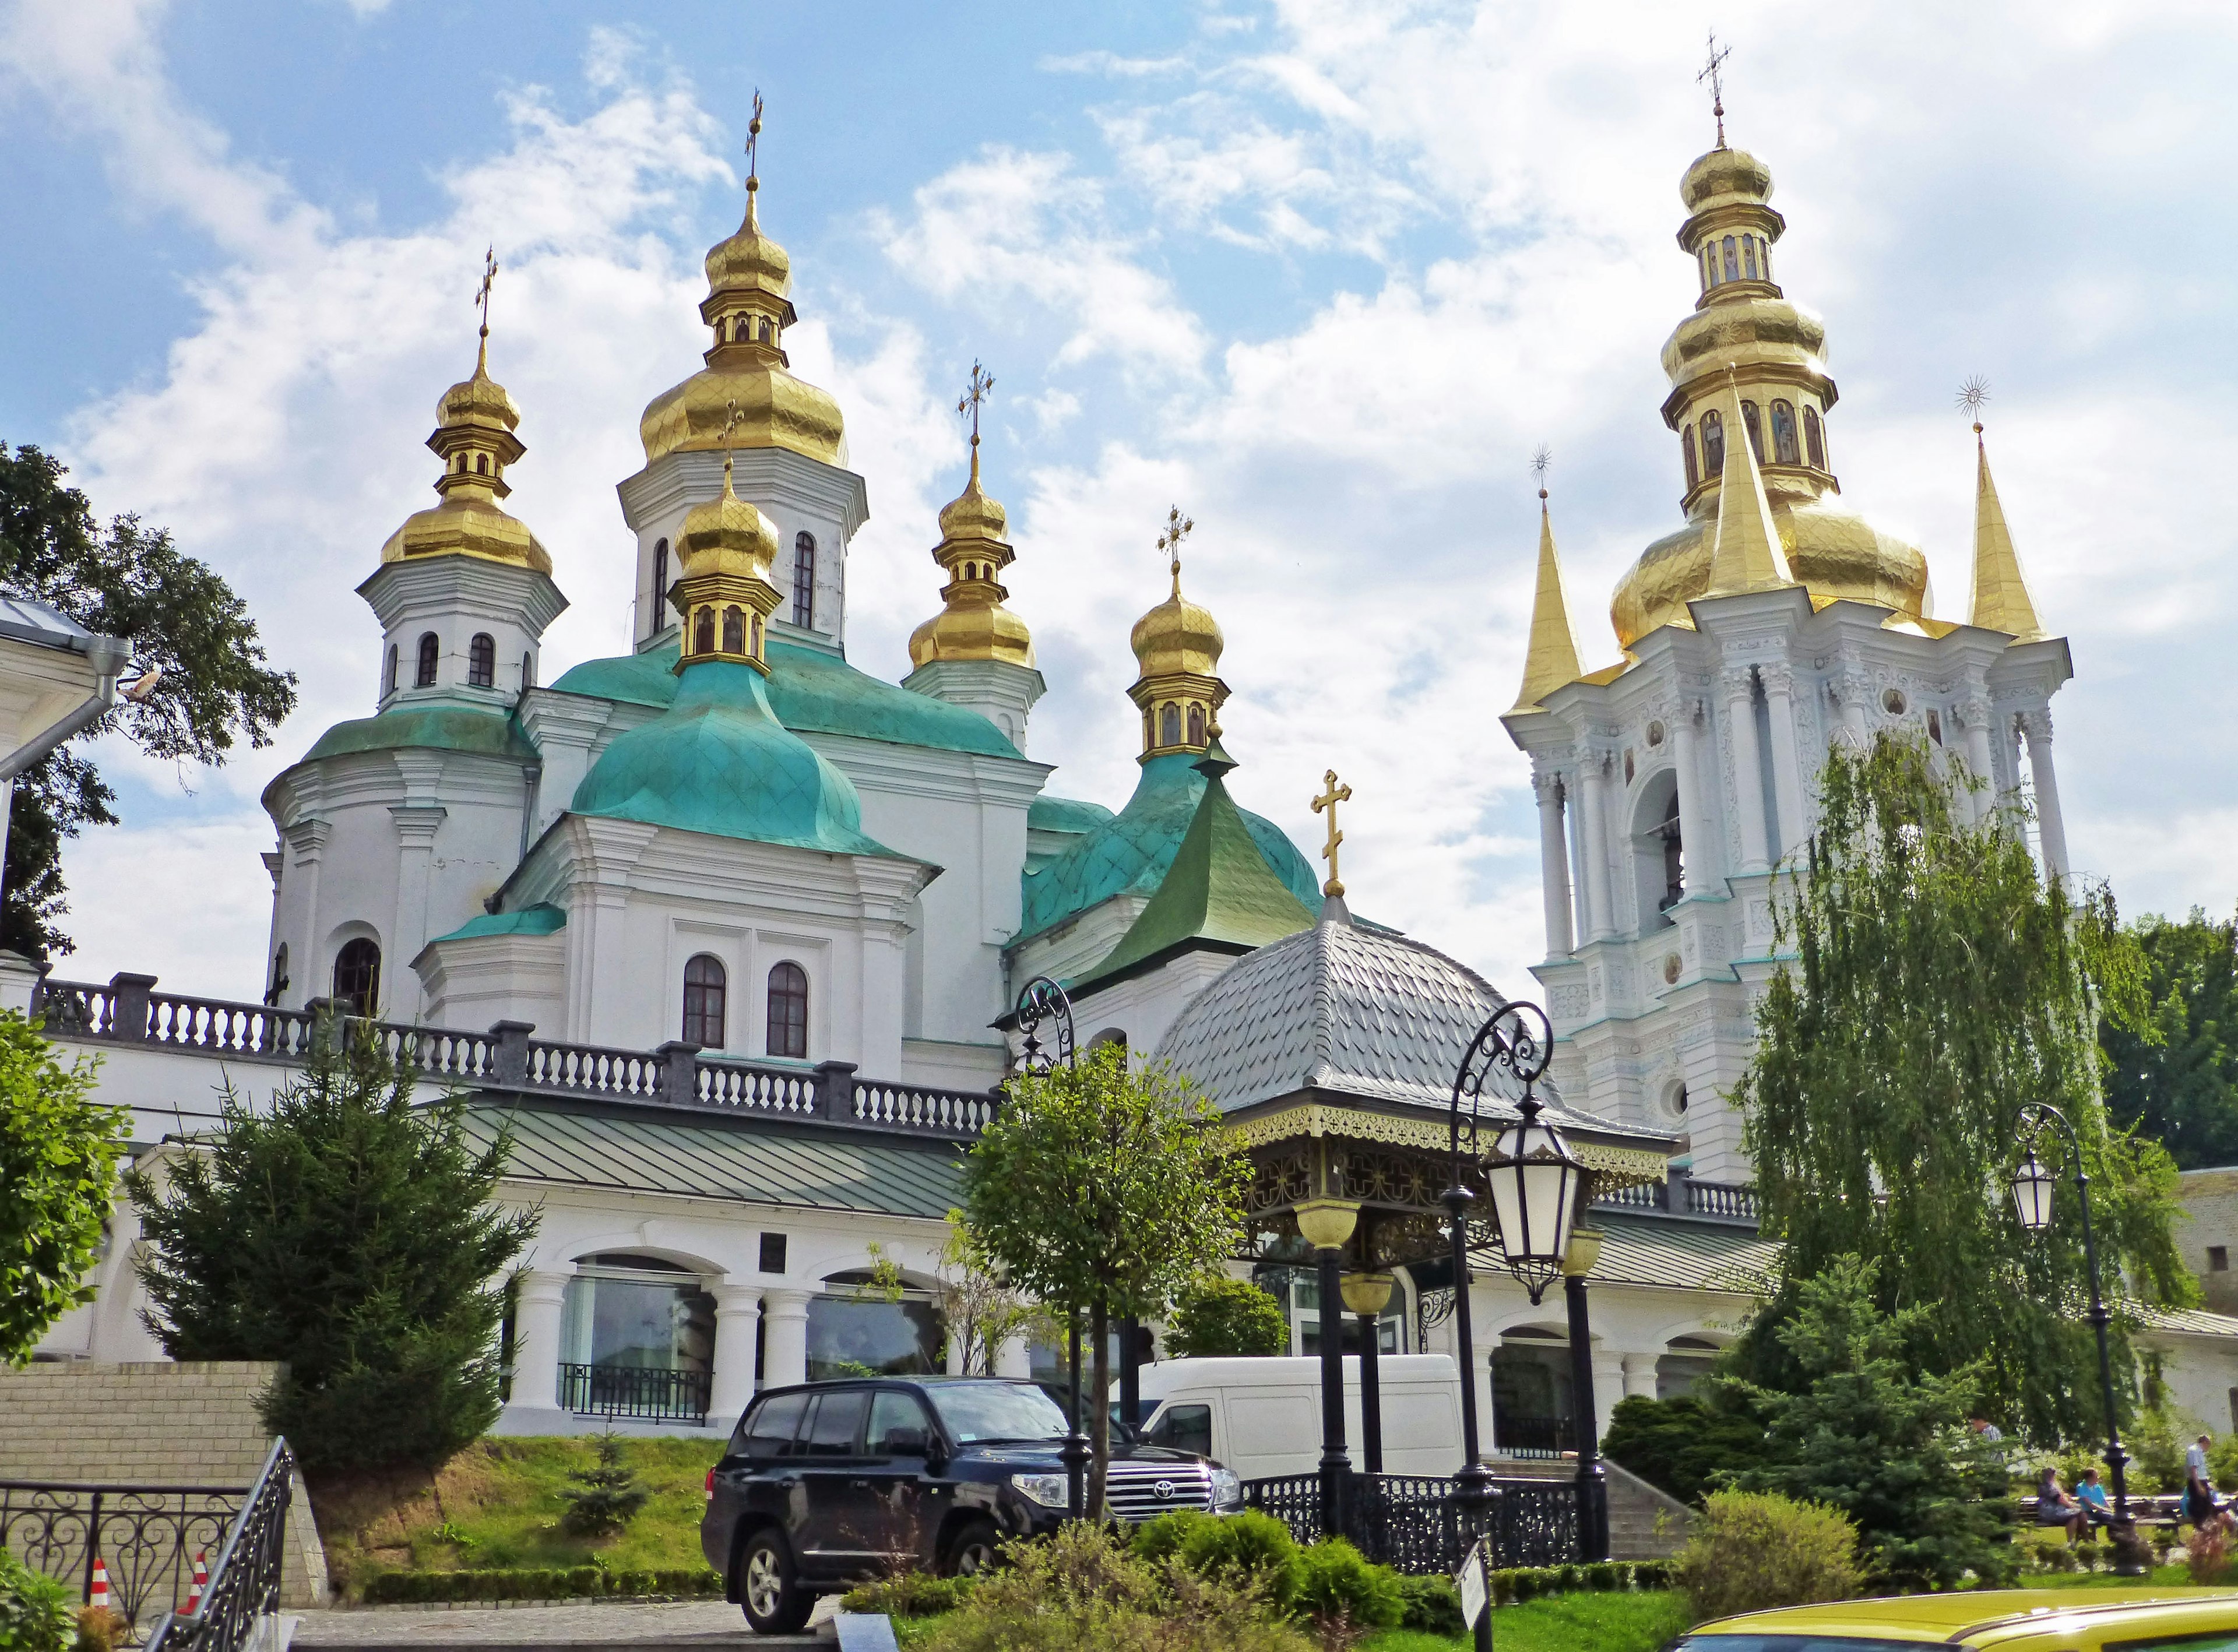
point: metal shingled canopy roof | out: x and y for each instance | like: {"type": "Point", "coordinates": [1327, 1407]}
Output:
{"type": "Point", "coordinates": [753, 1161]}
{"type": "Point", "coordinates": [1681, 1255]}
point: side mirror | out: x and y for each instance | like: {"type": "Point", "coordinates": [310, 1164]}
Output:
{"type": "Point", "coordinates": [906, 1442]}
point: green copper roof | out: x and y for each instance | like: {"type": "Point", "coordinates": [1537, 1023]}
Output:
{"type": "Point", "coordinates": [1219, 892]}
{"type": "Point", "coordinates": [543, 918]}
{"type": "Point", "coordinates": [719, 761]}
{"type": "Point", "coordinates": [446, 728]}
{"type": "Point", "coordinates": [1129, 853]}
{"type": "Point", "coordinates": [1048, 814]}
{"type": "Point", "coordinates": [811, 692]}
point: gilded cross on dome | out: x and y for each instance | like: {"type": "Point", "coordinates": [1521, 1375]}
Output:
{"type": "Point", "coordinates": [753, 148]}
{"type": "Point", "coordinates": [1178, 527]}
{"type": "Point", "coordinates": [975, 397]}
{"type": "Point", "coordinates": [489, 280]}
{"type": "Point", "coordinates": [1330, 797]}
{"type": "Point", "coordinates": [1713, 73]}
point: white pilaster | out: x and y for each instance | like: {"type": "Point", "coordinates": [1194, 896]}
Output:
{"type": "Point", "coordinates": [1697, 857]}
{"type": "Point", "coordinates": [1748, 765]}
{"type": "Point", "coordinates": [1640, 1375]}
{"type": "Point", "coordinates": [416, 825]}
{"type": "Point", "coordinates": [784, 1343]}
{"type": "Point", "coordinates": [737, 1312]}
{"type": "Point", "coordinates": [1603, 922]}
{"type": "Point", "coordinates": [2050, 828]}
{"type": "Point", "coordinates": [1553, 865]}
{"type": "Point", "coordinates": [1977, 713]}
{"type": "Point", "coordinates": [536, 1341]}
{"type": "Point", "coordinates": [1786, 759]}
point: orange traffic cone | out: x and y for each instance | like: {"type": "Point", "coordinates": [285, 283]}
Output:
{"type": "Point", "coordinates": [200, 1582]}
{"type": "Point", "coordinates": [99, 1600]}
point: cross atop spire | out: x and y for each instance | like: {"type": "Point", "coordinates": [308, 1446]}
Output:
{"type": "Point", "coordinates": [482, 298]}
{"type": "Point", "coordinates": [1713, 72]}
{"type": "Point", "coordinates": [1332, 794]}
{"type": "Point", "coordinates": [1178, 528]}
{"type": "Point", "coordinates": [975, 397]}
{"type": "Point", "coordinates": [754, 154]}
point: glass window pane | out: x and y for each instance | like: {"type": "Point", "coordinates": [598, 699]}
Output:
{"type": "Point", "coordinates": [871, 1338]}
{"type": "Point", "coordinates": [890, 1410]}
{"type": "Point", "coordinates": [1185, 1428]}
{"type": "Point", "coordinates": [838, 1419]}
{"type": "Point", "coordinates": [975, 1411]}
{"type": "Point", "coordinates": [768, 1430]}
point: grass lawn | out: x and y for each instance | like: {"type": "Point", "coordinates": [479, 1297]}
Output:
{"type": "Point", "coordinates": [1589, 1622]}
{"type": "Point", "coordinates": [497, 1504]}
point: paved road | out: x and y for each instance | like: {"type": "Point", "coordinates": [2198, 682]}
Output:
{"type": "Point", "coordinates": [589, 1626]}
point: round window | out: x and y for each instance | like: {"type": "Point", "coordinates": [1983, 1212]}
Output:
{"type": "Point", "coordinates": [1655, 734]}
{"type": "Point", "coordinates": [1676, 1101]}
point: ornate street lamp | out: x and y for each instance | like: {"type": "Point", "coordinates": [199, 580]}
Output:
{"type": "Point", "coordinates": [1042, 1003]}
{"type": "Point", "coordinates": [2033, 1186]}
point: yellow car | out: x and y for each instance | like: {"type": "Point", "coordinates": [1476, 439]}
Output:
{"type": "Point", "coordinates": [2012, 1620]}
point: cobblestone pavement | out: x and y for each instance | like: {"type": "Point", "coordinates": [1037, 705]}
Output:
{"type": "Point", "coordinates": [577, 1626]}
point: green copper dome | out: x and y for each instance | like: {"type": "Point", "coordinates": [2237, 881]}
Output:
{"type": "Point", "coordinates": [717, 761]}
{"type": "Point", "coordinates": [1129, 853]}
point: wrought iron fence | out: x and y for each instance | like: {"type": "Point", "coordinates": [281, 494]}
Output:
{"type": "Point", "coordinates": [145, 1536]}
{"type": "Point", "coordinates": [629, 1390]}
{"type": "Point", "coordinates": [1411, 1522]}
{"type": "Point", "coordinates": [244, 1584]}
{"type": "Point", "coordinates": [1537, 1523]}
{"type": "Point", "coordinates": [1408, 1522]}
{"type": "Point", "coordinates": [1533, 1437]}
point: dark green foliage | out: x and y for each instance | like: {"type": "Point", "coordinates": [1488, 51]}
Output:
{"type": "Point", "coordinates": [350, 1234]}
{"type": "Point", "coordinates": [1887, 1447]}
{"type": "Point", "coordinates": [1431, 1604]}
{"type": "Point", "coordinates": [535, 1583]}
{"type": "Point", "coordinates": [1513, 1584]}
{"type": "Point", "coordinates": [1338, 1584]}
{"type": "Point", "coordinates": [2174, 1076]}
{"type": "Point", "coordinates": [36, 1612]}
{"type": "Point", "coordinates": [910, 1593]}
{"type": "Point", "coordinates": [1680, 1446]}
{"type": "Point", "coordinates": [129, 581]}
{"type": "Point", "coordinates": [1251, 1549]}
{"type": "Point", "coordinates": [58, 1152]}
{"type": "Point", "coordinates": [1939, 986]}
{"type": "Point", "coordinates": [1217, 1316]}
{"type": "Point", "coordinates": [605, 1496]}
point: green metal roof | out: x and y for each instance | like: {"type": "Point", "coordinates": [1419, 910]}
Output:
{"type": "Point", "coordinates": [717, 761]}
{"type": "Point", "coordinates": [1219, 892]}
{"type": "Point", "coordinates": [1689, 1256]}
{"type": "Point", "coordinates": [445, 728]}
{"type": "Point", "coordinates": [543, 918]}
{"type": "Point", "coordinates": [811, 692]}
{"type": "Point", "coordinates": [1048, 814]}
{"type": "Point", "coordinates": [752, 1160]}
{"type": "Point", "coordinates": [1129, 853]}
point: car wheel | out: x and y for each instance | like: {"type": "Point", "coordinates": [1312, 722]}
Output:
{"type": "Point", "coordinates": [769, 1587]}
{"type": "Point", "coordinates": [974, 1548]}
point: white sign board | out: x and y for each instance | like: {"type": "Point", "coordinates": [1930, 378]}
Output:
{"type": "Point", "coordinates": [1475, 1587]}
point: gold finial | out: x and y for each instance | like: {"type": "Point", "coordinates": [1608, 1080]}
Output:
{"type": "Point", "coordinates": [1713, 72]}
{"type": "Point", "coordinates": [753, 158]}
{"type": "Point", "coordinates": [1329, 799]}
{"type": "Point", "coordinates": [1540, 459]}
{"type": "Point", "coordinates": [975, 397]}
{"type": "Point", "coordinates": [1178, 527]}
{"type": "Point", "coordinates": [482, 298]}
{"type": "Point", "coordinates": [1972, 395]}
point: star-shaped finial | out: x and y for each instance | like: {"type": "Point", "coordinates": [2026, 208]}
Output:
{"type": "Point", "coordinates": [1972, 396]}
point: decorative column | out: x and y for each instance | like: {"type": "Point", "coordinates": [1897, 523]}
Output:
{"type": "Point", "coordinates": [1857, 694]}
{"type": "Point", "coordinates": [1786, 760]}
{"type": "Point", "coordinates": [1592, 1479]}
{"type": "Point", "coordinates": [1326, 1225]}
{"type": "Point", "coordinates": [1554, 864]}
{"type": "Point", "coordinates": [1748, 765]}
{"type": "Point", "coordinates": [536, 1309]}
{"type": "Point", "coordinates": [2050, 829]}
{"type": "Point", "coordinates": [1694, 847]}
{"type": "Point", "coordinates": [1602, 923]}
{"type": "Point", "coordinates": [1640, 1375]}
{"type": "Point", "coordinates": [1977, 713]}
{"type": "Point", "coordinates": [1367, 1295]}
{"type": "Point", "coordinates": [784, 1342]}
{"type": "Point", "coordinates": [738, 1313]}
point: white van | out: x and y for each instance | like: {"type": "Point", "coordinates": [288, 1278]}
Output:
{"type": "Point", "coordinates": [1263, 1418]}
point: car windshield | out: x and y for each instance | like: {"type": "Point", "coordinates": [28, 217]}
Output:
{"type": "Point", "coordinates": [979, 1411]}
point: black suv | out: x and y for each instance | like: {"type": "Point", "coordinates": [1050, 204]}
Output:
{"type": "Point", "coordinates": [832, 1482]}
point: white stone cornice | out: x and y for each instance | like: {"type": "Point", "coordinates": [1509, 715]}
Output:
{"type": "Point", "coordinates": [677, 480]}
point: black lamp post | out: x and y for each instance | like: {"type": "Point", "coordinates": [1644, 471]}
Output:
{"type": "Point", "coordinates": [1042, 1002]}
{"type": "Point", "coordinates": [2033, 1185]}
{"type": "Point", "coordinates": [1535, 1181]}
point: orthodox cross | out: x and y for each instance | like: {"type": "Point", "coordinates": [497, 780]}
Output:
{"type": "Point", "coordinates": [753, 145]}
{"type": "Point", "coordinates": [1178, 528]}
{"type": "Point", "coordinates": [1540, 461]}
{"type": "Point", "coordinates": [975, 397]}
{"type": "Point", "coordinates": [1713, 73]}
{"type": "Point", "coordinates": [731, 421]}
{"type": "Point", "coordinates": [1971, 396]}
{"type": "Point", "coordinates": [1329, 799]}
{"type": "Point", "coordinates": [482, 293]}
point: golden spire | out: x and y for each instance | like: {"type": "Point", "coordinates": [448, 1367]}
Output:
{"type": "Point", "coordinates": [1177, 646]}
{"type": "Point", "coordinates": [1745, 554]}
{"type": "Point", "coordinates": [2002, 601]}
{"type": "Point", "coordinates": [973, 624]}
{"type": "Point", "coordinates": [1552, 659]}
{"type": "Point", "coordinates": [1332, 794]}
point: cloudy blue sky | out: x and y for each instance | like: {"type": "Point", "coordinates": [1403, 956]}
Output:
{"type": "Point", "coordinates": [1324, 272]}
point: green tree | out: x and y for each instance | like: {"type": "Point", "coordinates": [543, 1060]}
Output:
{"type": "Point", "coordinates": [1939, 986]}
{"type": "Point", "coordinates": [605, 1498]}
{"type": "Point", "coordinates": [1860, 1432]}
{"type": "Point", "coordinates": [1217, 1315]}
{"type": "Point", "coordinates": [2174, 1076]}
{"type": "Point", "coordinates": [1103, 1190]}
{"type": "Point", "coordinates": [58, 1152]}
{"type": "Point", "coordinates": [130, 582]}
{"type": "Point", "coordinates": [978, 1305]}
{"type": "Point", "coordinates": [349, 1233]}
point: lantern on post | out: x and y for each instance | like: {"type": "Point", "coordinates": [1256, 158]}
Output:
{"type": "Point", "coordinates": [1535, 1182]}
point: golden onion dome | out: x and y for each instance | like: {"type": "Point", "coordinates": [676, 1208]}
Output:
{"type": "Point", "coordinates": [988, 632]}
{"type": "Point", "coordinates": [775, 410]}
{"type": "Point", "coordinates": [972, 514]}
{"type": "Point", "coordinates": [749, 258]}
{"type": "Point", "coordinates": [726, 535]}
{"type": "Point", "coordinates": [1724, 175]}
{"type": "Point", "coordinates": [464, 525]}
{"type": "Point", "coordinates": [1177, 636]}
{"type": "Point", "coordinates": [479, 401]}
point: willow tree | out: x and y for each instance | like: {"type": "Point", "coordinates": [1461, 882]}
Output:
{"type": "Point", "coordinates": [1937, 987]}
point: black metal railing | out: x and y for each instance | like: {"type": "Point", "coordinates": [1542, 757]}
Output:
{"type": "Point", "coordinates": [630, 1390]}
{"type": "Point", "coordinates": [1532, 1436]}
{"type": "Point", "coordinates": [1412, 1524]}
{"type": "Point", "coordinates": [146, 1537]}
{"type": "Point", "coordinates": [244, 1582]}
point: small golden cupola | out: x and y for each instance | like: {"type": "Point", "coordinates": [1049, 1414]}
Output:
{"type": "Point", "coordinates": [1177, 647]}
{"type": "Point", "coordinates": [748, 307]}
{"type": "Point", "coordinates": [973, 624]}
{"type": "Point", "coordinates": [724, 592]}
{"type": "Point", "coordinates": [474, 425]}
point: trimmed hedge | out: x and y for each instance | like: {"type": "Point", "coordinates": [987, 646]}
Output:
{"type": "Point", "coordinates": [1516, 1584]}
{"type": "Point", "coordinates": [535, 1583]}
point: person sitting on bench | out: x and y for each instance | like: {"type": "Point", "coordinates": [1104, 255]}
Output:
{"type": "Point", "coordinates": [2092, 1497]}
{"type": "Point", "coordinates": [2054, 1507]}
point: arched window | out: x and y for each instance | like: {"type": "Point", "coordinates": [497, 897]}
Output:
{"type": "Point", "coordinates": [481, 464]}
{"type": "Point", "coordinates": [527, 672]}
{"type": "Point", "coordinates": [1732, 260]}
{"type": "Point", "coordinates": [1755, 430]}
{"type": "Point", "coordinates": [804, 579]}
{"type": "Point", "coordinates": [1686, 446]}
{"type": "Point", "coordinates": [1713, 442]}
{"type": "Point", "coordinates": [388, 680]}
{"type": "Point", "coordinates": [659, 584]}
{"type": "Point", "coordinates": [429, 650]}
{"type": "Point", "coordinates": [734, 630]}
{"type": "Point", "coordinates": [754, 625]}
{"type": "Point", "coordinates": [706, 989]}
{"type": "Point", "coordinates": [1709, 268]}
{"type": "Point", "coordinates": [788, 1011]}
{"type": "Point", "coordinates": [1196, 725]}
{"type": "Point", "coordinates": [1812, 440]}
{"type": "Point", "coordinates": [1169, 725]}
{"type": "Point", "coordinates": [1783, 451]}
{"type": "Point", "coordinates": [482, 661]}
{"type": "Point", "coordinates": [1763, 257]}
{"type": "Point", "coordinates": [357, 976]}
{"type": "Point", "coordinates": [703, 631]}
{"type": "Point", "coordinates": [1748, 257]}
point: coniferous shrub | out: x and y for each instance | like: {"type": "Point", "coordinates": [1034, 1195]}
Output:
{"type": "Point", "coordinates": [349, 1233]}
{"type": "Point", "coordinates": [1251, 1548]}
{"type": "Point", "coordinates": [603, 1497]}
{"type": "Point", "coordinates": [1338, 1584]}
{"type": "Point", "coordinates": [1431, 1605]}
{"type": "Point", "coordinates": [1752, 1551]}
{"type": "Point", "coordinates": [1681, 1446]}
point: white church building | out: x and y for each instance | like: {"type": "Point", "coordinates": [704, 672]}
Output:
{"type": "Point", "coordinates": [722, 928]}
